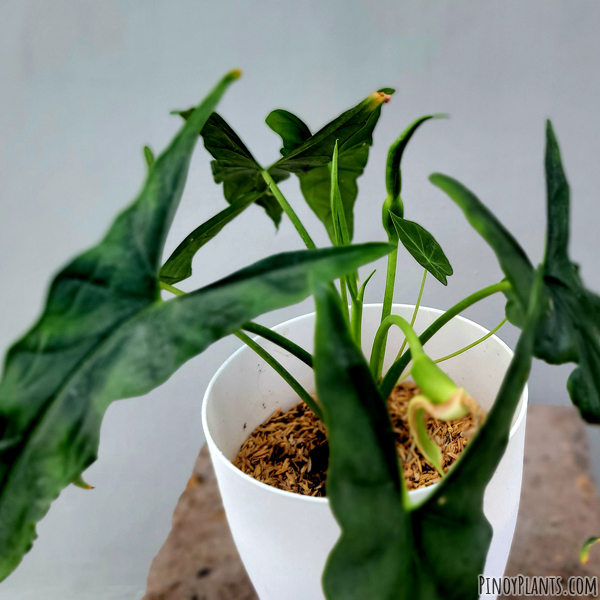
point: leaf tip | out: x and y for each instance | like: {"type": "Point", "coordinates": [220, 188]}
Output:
{"type": "Point", "coordinates": [235, 74]}
{"type": "Point", "coordinates": [80, 483]}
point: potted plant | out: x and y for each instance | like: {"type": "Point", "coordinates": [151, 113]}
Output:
{"type": "Point", "coordinates": [106, 333]}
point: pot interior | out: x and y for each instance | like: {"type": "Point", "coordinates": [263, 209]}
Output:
{"type": "Point", "coordinates": [246, 391]}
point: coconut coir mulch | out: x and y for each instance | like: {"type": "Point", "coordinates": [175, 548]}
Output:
{"type": "Point", "coordinates": [289, 450]}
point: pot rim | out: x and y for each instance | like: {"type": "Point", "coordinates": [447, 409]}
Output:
{"type": "Point", "coordinates": [415, 494]}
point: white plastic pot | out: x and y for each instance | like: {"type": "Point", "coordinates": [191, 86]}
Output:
{"type": "Point", "coordinates": [284, 538]}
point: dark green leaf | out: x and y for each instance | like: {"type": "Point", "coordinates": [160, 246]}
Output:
{"type": "Point", "coordinates": [351, 129]}
{"type": "Point", "coordinates": [363, 480]}
{"type": "Point", "coordinates": [105, 334]}
{"type": "Point", "coordinates": [179, 265]}
{"type": "Point", "coordinates": [54, 388]}
{"type": "Point", "coordinates": [139, 353]}
{"type": "Point", "coordinates": [570, 328]}
{"type": "Point", "coordinates": [236, 168]}
{"type": "Point", "coordinates": [571, 331]}
{"type": "Point", "coordinates": [451, 533]}
{"type": "Point", "coordinates": [423, 247]}
{"type": "Point", "coordinates": [309, 156]}
{"type": "Point", "coordinates": [315, 186]}
{"type": "Point", "coordinates": [389, 551]}
{"type": "Point", "coordinates": [511, 256]}
{"type": "Point", "coordinates": [292, 130]}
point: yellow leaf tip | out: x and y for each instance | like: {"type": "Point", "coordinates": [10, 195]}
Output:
{"type": "Point", "coordinates": [385, 98]}
{"type": "Point", "coordinates": [235, 73]}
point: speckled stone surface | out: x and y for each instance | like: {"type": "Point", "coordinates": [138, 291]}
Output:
{"type": "Point", "coordinates": [560, 509]}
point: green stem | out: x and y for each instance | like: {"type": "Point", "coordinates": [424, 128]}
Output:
{"type": "Point", "coordinates": [388, 297]}
{"type": "Point", "coordinates": [357, 310]}
{"type": "Point", "coordinates": [468, 347]}
{"type": "Point", "coordinates": [344, 294]}
{"type": "Point", "coordinates": [390, 280]}
{"type": "Point", "coordinates": [289, 211]}
{"type": "Point", "coordinates": [280, 341]}
{"type": "Point", "coordinates": [285, 375]}
{"type": "Point", "coordinates": [415, 312]}
{"type": "Point", "coordinates": [481, 339]}
{"type": "Point", "coordinates": [396, 370]}
{"type": "Point", "coordinates": [381, 336]}
{"type": "Point", "coordinates": [356, 320]}
{"type": "Point", "coordinates": [170, 288]}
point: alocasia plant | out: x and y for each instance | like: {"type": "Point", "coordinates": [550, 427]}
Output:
{"type": "Point", "coordinates": [107, 334]}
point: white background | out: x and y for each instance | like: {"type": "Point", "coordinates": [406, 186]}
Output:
{"type": "Point", "coordinates": [84, 85]}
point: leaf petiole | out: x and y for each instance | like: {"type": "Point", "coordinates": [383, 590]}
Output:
{"type": "Point", "coordinates": [380, 339]}
{"type": "Point", "coordinates": [289, 211]}
{"type": "Point", "coordinates": [462, 350]}
{"type": "Point", "coordinates": [415, 312]}
{"type": "Point", "coordinates": [283, 372]}
{"type": "Point", "coordinates": [280, 341]}
{"type": "Point", "coordinates": [396, 370]}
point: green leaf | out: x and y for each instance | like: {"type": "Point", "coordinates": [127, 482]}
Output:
{"type": "Point", "coordinates": [149, 156]}
{"type": "Point", "coordinates": [236, 168]}
{"type": "Point", "coordinates": [309, 156]}
{"type": "Point", "coordinates": [423, 247]}
{"type": "Point", "coordinates": [396, 151]}
{"type": "Point", "coordinates": [570, 328]}
{"type": "Point", "coordinates": [53, 391]}
{"type": "Point", "coordinates": [390, 549]}
{"type": "Point", "coordinates": [451, 533]}
{"type": "Point", "coordinates": [105, 334]}
{"type": "Point", "coordinates": [292, 130]}
{"type": "Point", "coordinates": [512, 258]}
{"type": "Point", "coordinates": [571, 332]}
{"type": "Point", "coordinates": [363, 481]}
{"type": "Point", "coordinates": [584, 553]}
{"type": "Point", "coordinates": [179, 265]}
{"type": "Point", "coordinates": [58, 438]}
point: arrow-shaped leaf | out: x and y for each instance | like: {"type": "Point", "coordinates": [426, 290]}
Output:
{"type": "Point", "coordinates": [49, 425]}
{"type": "Point", "coordinates": [105, 334]}
{"type": "Point", "coordinates": [570, 328]}
{"type": "Point", "coordinates": [363, 479]}
{"type": "Point", "coordinates": [236, 168]}
{"type": "Point", "coordinates": [390, 549]}
{"type": "Point", "coordinates": [309, 155]}
{"type": "Point", "coordinates": [423, 247]}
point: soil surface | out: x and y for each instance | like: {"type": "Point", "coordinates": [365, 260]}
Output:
{"type": "Point", "coordinates": [560, 509]}
{"type": "Point", "coordinates": [289, 450]}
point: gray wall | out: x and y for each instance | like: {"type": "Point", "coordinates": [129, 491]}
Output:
{"type": "Point", "coordinates": [85, 84]}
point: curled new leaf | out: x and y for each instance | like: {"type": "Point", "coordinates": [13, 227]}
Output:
{"type": "Point", "coordinates": [423, 247]}
{"type": "Point", "coordinates": [393, 175]}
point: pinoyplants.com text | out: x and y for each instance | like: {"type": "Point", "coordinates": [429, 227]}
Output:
{"type": "Point", "coordinates": [521, 585]}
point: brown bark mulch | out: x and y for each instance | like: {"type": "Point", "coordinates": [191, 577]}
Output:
{"type": "Point", "coordinates": [289, 450]}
